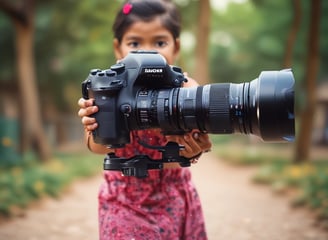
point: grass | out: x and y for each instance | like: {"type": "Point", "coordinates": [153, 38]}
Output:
{"type": "Point", "coordinates": [27, 180]}
{"type": "Point", "coordinates": [276, 169]}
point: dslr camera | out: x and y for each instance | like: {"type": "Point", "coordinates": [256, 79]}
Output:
{"type": "Point", "coordinates": [142, 91]}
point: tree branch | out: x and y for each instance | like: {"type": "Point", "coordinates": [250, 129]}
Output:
{"type": "Point", "coordinates": [15, 12]}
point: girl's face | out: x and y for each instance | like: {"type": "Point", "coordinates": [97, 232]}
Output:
{"type": "Point", "coordinates": [148, 36]}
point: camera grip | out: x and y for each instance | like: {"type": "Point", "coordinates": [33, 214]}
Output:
{"type": "Point", "coordinates": [110, 129]}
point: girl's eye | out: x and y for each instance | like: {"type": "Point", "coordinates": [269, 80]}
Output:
{"type": "Point", "coordinates": [161, 44]}
{"type": "Point", "coordinates": [134, 44]}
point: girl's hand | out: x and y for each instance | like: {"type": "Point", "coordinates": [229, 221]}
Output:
{"type": "Point", "coordinates": [194, 143]}
{"type": "Point", "coordinates": [191, 82]}
{"type": "Point", "coordinates": [86, 109]}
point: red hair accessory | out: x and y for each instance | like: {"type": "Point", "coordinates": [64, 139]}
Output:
{"type": "Point", "coordinates": [127, 8]}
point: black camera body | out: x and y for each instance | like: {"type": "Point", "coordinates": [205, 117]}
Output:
{"type": "Point", "coordinates": [142, 91]}
{"type": "Point", "coordinates": [115, 91]}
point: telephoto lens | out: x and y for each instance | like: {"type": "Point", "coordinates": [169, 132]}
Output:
{"type": "Point", "coordinates": [263, 107]}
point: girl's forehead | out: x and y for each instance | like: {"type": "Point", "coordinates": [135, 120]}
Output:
{"type": "Point", "coordinates": [148, 29]}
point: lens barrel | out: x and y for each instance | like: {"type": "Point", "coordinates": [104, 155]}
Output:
{"type": "Point", "coordinates": [263, 107]}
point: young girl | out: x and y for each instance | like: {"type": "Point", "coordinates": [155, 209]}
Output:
{"type": "Point", "coordinates": [165, 205]}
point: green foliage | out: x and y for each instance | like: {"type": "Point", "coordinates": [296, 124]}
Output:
{"type": "Point", "coordinates": [71, 37]}
{"type": "Point", "coordinates": [311, 179]}
{"type": "Point", "coordinates": [251, 37]}
{"type": "Point", "coordinates": [9, 132]}
{"type": "Point", "coordinates": [246, 40]}
{"type": "Point", "coordinates": [323, 73]}
{"type": "Point", "coordinates": [76, 37]}
{"type": "Point", "coordinates": [7, 60]}
{"type": "Point", "coordinates": [27, 181]}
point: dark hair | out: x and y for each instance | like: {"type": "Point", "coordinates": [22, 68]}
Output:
{"type": "Point", "coordinates": [147, 10]}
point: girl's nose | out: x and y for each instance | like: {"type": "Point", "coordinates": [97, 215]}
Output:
{"type": "Point", "coordinates": [148, 47]}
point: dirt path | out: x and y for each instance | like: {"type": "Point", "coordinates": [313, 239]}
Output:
{"type": "Point", "coordinates": [237, 209]}
{"type": "Point", "coordinates": [72, 217]}
{"type": "Point", "coordinates": [234, 208]}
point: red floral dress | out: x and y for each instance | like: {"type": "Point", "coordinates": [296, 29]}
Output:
{"type": "Point", "coordinates": [165, 205]}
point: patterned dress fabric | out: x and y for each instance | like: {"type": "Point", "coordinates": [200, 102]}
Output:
{"type": "Point", "coordinates": [164, 205]}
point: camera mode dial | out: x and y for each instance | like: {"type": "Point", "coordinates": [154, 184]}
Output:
{"type": "Point", "coordinates": [118, 68]}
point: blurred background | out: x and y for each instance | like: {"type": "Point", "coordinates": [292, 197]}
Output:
{"type": "Point", "coordinates": [48, 47]}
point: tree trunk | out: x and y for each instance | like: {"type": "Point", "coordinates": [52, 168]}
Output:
{"type": "Point", "coordinates": [33, 132]}
{"type": "Point", "coordinates": [287, 61]}
{"type": "Point", "coordinates": [304, 138]}
{"type": "Point", "coordinates": [201, 73]}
